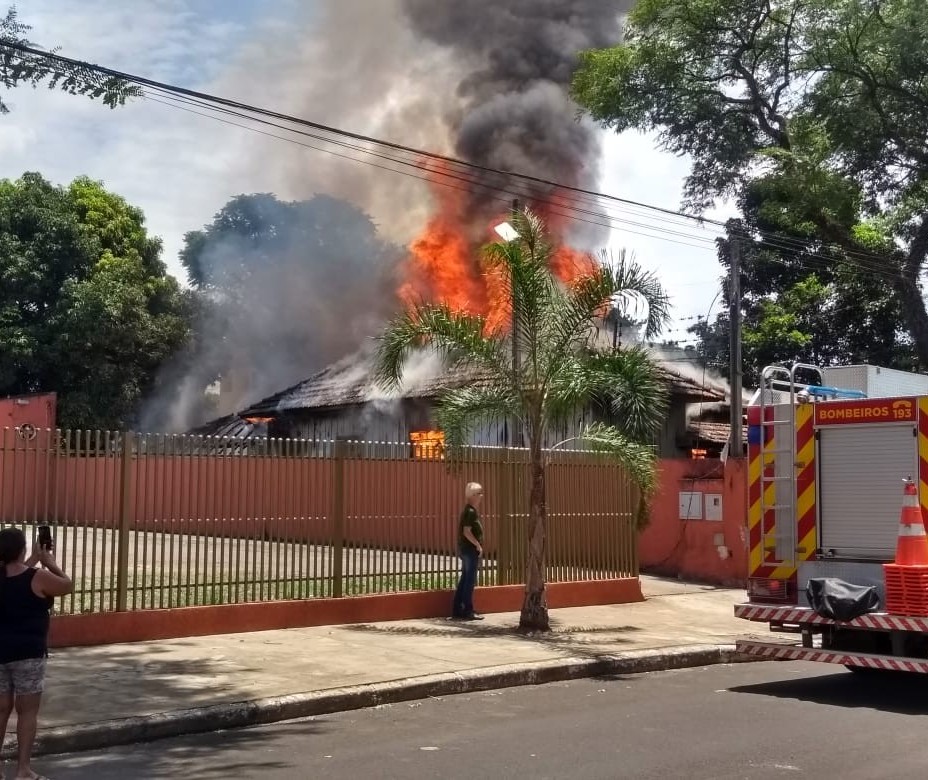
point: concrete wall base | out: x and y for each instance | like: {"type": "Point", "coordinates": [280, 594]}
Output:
{"type": "Point", "coordinates": [146, 625]}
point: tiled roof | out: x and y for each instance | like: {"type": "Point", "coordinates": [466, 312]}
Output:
{"type": "Point", "coordinates": [711, 432]}
{"type": "Point", "coordinates": [350, 382]}
{"type": "Point", "coordinates": [232, 426]}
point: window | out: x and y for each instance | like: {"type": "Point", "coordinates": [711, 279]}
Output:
{"type": "Point", "coordinates": [427, 445]}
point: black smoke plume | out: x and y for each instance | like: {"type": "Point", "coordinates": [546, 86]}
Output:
{"type": "Point", "coordinates": [512, 109]}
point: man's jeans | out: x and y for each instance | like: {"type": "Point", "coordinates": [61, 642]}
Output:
{"type": "Point", "coordinates": [464, 595]}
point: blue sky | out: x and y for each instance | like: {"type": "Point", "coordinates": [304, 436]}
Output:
{"type": "Point", "coordinates": [180, 169]}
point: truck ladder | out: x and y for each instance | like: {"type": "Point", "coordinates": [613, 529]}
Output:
{"type": "Point", "coordinates": [779, 542]}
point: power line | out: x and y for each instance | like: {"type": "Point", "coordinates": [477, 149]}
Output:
{"type": "Point", "coordinates": [551, 199]}
{"type": "Point", "coordinates": [211, 102]}
{"type": "Point", "coordinates": [146, 82]}
{"type": "Point", "coordinates": [505, 194]}
{"type": "Point", "coordinates": [775, 240]}
{"type": "Point", "coordinates": [784, 243]}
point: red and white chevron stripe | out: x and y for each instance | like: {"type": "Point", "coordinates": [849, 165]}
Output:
{"type": "Point", "coordinates": [776, 652]}
{"type": "Point", "coordinates": [804, 615]}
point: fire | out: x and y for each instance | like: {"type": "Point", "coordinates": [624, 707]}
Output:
{"type": "Point", "coordinates": [444, 263]}
{"type": "Point", "coordinates": [569, 264]}
{"type": "Point", "coordinates": [427, 445]}
{"type": "Point", "coordinates": [442, 269]}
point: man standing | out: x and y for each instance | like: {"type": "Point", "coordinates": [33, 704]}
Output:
{"type": "Point", "coordinates": [470, 548]}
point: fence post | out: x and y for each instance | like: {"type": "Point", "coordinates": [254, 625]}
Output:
{"type": "Point", "coordinates": [338, 518]}
{"type": "Point", "coordinates": [634, 533]}
{"type": "Point", "coordinates": [125, 523]}
{"type": "Point", "coordinates": [504, 547]}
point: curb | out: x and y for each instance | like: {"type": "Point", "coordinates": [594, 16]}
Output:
{"type": "Point", "coordinates": [217, 717]}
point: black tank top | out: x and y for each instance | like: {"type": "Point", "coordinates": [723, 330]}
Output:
{"type": "Point", "coordinates": [24, 619]}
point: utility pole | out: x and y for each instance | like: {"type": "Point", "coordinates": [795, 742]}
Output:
{"type": "Point", "coordinates": [516, 434]}
{"type": "Point", "coordinates": [736, 445]}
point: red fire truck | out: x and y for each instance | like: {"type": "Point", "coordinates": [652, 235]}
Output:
{"type": "Point", "coordinates": [827, 458]}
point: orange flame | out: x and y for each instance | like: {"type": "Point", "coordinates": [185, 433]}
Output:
{"type": "Point", "coordinates": [569, 264]}
{"type": "Point", "coordinates": [444, 262]}
{"type": "Point", "coordinates": [427, 445]}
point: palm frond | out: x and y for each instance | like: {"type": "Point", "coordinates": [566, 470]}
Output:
{"type": "Point", "coordinates": [575, 311]}
{"type": "Point", "coordinates": [458, 338]}
{"type": "Point", "coordinates": [637, 389]}
{"type": "Point", "coordinates": [639, 460]}
{"type": "Point", "coordinates": [630, 277]}
{"type": "Point", "coordinates": [626, 382]}
{"type": "Point", "coordinates": [460, 412]}
{"type": "Point", "coordinates": [571, 386]}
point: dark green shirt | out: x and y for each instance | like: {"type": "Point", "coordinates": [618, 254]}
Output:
{"type": "Point", "coordinates": [469, 519]}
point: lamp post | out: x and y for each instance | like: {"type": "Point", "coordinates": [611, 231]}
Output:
{"type": "Point", "coordinates": [508, 233]}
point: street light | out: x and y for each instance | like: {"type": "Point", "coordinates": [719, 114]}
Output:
{"type": "Point", "coordinates": [506, 231]}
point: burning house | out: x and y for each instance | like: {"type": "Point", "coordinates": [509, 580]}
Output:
{"type": "Point", "coordinates": [343, 401]}
{"type": "Point", "coordinates": [506, 108]}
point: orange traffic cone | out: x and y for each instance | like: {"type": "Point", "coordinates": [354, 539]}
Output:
{"type": "Point", "coordinates": [912, 546]}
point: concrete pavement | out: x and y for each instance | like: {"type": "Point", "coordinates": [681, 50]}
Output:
{"type": "Point", "coordinates": [144, 686]}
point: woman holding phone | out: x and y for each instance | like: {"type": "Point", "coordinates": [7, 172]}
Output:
{"type": "Point", "coordinates": [26, 597]}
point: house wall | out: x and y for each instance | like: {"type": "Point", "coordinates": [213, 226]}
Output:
{"type": "Point", "coordinates": [38, 410]}
{"type": "Point", "coordinates": [378, 421]}
{"type": "Point", "coordinates": [393, 421]}
{"type": "Point", "coordinates": [674, 425]}
{"type": "Point", "coordinates": [690, 548]}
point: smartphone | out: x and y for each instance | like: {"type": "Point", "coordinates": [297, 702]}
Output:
{"type": "Point", "coordinates": [45, 537]}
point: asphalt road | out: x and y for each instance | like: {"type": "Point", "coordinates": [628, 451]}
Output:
{"type": "Point", "coordinates": [748, 721]}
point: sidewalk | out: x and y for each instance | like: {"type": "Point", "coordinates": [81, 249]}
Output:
{"type": "Point", "coordinates": [97, 684]}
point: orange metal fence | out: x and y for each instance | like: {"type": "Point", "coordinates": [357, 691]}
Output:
{"type": "Point", "coordinates": [156, 521]}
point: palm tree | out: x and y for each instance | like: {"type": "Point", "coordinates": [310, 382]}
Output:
{"type": "Point", "coordinates": [563, 368]}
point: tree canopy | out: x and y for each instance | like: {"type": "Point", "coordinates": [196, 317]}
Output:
{"type": "Point", "coordinates": [564, 368]}
{"type": "Point", "coordinates": [86, 307]}
{"type": "Point", "coordinates": [22, 68]}
{"type": "Point", "coordinates": [814, 115]}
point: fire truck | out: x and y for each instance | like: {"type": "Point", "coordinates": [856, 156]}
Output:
{"type": "Point", "coordinates": [827, 461]}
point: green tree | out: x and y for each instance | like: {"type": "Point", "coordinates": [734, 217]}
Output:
{"type": "Point", "coordinates": [824, 101]}
{"type": "Point", "coordinates": [18, 68]}
{"type": "Point", "coordinates": [86, 307]}
{"type": "Point", "coordinates": [800, 305]}
{"type": "Point", "coordinates": [564, 368]}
